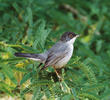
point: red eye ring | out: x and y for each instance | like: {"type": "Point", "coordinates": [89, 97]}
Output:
{"type": "Point", "coordinates": [70, 36]}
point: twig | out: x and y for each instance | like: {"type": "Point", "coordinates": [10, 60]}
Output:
{"type": "Point", "coordinates": [74, 11]}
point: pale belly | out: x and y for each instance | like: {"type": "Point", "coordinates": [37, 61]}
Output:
{"type": "Point", "coordinates": [65, 60]}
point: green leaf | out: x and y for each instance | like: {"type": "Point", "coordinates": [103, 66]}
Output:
{"type": "Point", "coordinates": [99, 45]}
{"type": "Point", "coordinates": [19, 69]}
{"type": "Point", "coordinates": [26, 77]}
{"type": "Point", "coordinates": [29, 16]}
{"type": "Point", "coordinates": [74, 94]}
{"type": "Point", "coordinates": [42, 32]}
{"type": "Point", "coordinates": [11, 60]}
{"type": "Point", "coordinates": [28, 49]}
{"type": "Point", "coordinates": [37, 94]}
{"type": "Point", "coordinates": [1, 76]}
{"type": "Point", "coordinates": [6, 69]}
{"type": "Point", "coordinates": [3, 89]}
{"type": "Point", "coordinates": [89, 95]}
{"type": "Point", "coordinates": [6, 88]}
{"type": "Point", "coordinates": [67, 97]}
{"type": "Point", "coordinates": [105, 95]}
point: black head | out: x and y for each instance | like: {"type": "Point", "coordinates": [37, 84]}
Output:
{"type": "Point", "coordinates": [68, 36]}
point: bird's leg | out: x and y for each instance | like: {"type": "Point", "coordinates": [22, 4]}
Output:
{"type": "Point", "coordinates": [60, 78]}
{"type": "Point", "coordinates": [39, 65]}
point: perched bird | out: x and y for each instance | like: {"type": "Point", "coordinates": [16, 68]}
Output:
{"type": "Point", "coordinates": [58, 55]}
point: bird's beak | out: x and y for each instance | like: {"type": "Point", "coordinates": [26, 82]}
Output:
{"type": "Point", "coordinates": [77, 35]}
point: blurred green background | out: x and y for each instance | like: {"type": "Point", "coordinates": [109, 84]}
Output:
{"type": "Point", "coordinates": [33, 26]}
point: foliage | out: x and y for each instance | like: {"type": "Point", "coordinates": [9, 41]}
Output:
{"type": "Point", "coordinates": [33, 26]}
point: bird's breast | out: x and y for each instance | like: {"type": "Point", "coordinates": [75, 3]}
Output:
{"type": "Point", "coordinates": [67, 57]}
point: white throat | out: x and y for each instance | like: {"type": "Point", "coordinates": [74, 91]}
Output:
{"type": "Point", "coordinates": [72, 40]}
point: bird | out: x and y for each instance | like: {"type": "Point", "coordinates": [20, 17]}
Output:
{"type": "Point", "coordinates": [58, 55]}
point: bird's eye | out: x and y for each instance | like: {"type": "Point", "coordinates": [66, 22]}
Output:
{"type": "Point", "coordinates": [70, 36]}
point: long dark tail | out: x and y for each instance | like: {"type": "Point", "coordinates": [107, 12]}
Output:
{"type": "Point", "coordinates": [30, 56]}
{"type": "Point", "coordinates": [27, 55]}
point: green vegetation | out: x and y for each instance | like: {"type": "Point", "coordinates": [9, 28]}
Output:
{"type": "Point", "coordinates": [33, 26]}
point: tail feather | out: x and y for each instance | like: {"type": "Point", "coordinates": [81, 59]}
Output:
{"type": "Point", "coordinates": [27, 55]}
{"type": "Point", "coordinates": [36, 57]}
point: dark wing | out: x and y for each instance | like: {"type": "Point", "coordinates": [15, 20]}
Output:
{"type": "Point", "coordinates": [56, 53]}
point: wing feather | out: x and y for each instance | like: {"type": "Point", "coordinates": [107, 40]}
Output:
{"type": "Point", "coordinates": [56, 53]}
